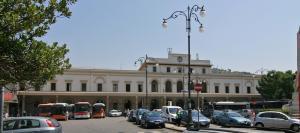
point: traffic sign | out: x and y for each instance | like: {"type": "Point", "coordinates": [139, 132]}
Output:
{"type": "Point", "coordinates": [198, 87]}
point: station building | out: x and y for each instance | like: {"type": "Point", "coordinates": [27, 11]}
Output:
{"type": "Point", "coordinates": [166, 83]}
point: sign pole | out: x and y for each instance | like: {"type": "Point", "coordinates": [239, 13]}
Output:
{"type": "Point", "coordinates": [198, 109]}
{"type": "Point", "coordinates": [198, 88]}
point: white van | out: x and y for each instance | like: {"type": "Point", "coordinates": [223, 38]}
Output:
{"type": "Point", "coordinates": [170, 112]}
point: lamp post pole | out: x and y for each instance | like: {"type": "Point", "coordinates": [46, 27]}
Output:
{"type": "Point", "coordinates": [191, 14]}
{"type": "Point", "coordinates": [144, 60]}
{"type": "Point", "coordinates": [1, 107]}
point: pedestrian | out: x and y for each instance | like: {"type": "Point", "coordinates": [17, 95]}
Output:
{"type": "Point", "coordinates": [24, 113]}
{"type": "Point", "coordinates": [178, 117]}
{"type": "Point", "coordinates": [6, 115]}
{"type": "Point", "coordinates": [125, 113]}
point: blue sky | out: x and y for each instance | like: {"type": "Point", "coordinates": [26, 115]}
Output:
{"type": "Point", "coordinates": [242, 35]}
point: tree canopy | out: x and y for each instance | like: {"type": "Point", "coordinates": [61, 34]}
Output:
{"type": "Point", "coordinates": [277, 85]}
{"type": "Point", "coordinates": [23, 58]}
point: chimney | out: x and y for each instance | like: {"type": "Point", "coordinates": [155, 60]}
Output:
{"type": "Point", "coordinates": [169, 50]}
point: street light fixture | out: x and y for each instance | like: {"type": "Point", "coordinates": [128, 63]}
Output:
{"type": "Point", "coordinates": [145, 60]}
{"type": "Point", "coordinates": [190, 14]}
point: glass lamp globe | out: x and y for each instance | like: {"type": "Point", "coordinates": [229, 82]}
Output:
{"type": "Point", "coordinates": [164, 24]}
{"type": "Point", "coordinates": [202, 12]}
{"type": "Point", "coordinates": [201, 28]}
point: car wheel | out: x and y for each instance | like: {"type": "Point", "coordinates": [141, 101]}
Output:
{"type": "Point", "coordinates": [146, 125]}
{"type": "Point", "coordinates": [163, 126]}
{"type": "Point", "coordinates": [295, 128]}
{"type": "Point", "coordinates": [259, 125]}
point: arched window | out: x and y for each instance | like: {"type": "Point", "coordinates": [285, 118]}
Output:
{"type": "Point", "coordinates": [154, 86]}
{"type": "Point", "coordinates": [168, 86]}
{"type": "Point", "coordinates": [179, 86]}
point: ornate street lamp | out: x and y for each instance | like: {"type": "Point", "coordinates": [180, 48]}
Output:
{"type": "Point", "coordinates": [190, 14]}
{"type": "Point", "coordinates": [145, 60]}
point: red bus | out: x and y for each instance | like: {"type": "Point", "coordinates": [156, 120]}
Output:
{"type": "Point", "coordinates": [60, 111]}
{"type": "Point", "coordinates": [45, 110]}
{"type": "Point", "coordinates": [98, 110]}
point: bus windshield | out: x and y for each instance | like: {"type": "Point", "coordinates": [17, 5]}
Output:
{"type": "Point", "coordinates": [82, 107]}
{"type": "Point", "coordinates": [59, 110]}
{"type": "Point", "coordinates": [44, 109]}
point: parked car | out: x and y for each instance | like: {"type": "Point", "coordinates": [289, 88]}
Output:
{"type": "Point", "coordinates": [115, 113]}
{"type": "Point", "coordinates": [214, 118]}
{"type": "Point", "coordinates": [31, 124]}
{"type": "Point", "coordinates": [202, 122]}
{"type": "Point", "coordinates": [139, 113]}
{"type": "Point", "coordinates": [233, 119]}
{"type": "Point", "coordinates": [247, 113]}
{"type": "Point", "coordinates": [170, 112]}
{"type": "Point", "coordinates": [278, 120]}
{"type": "Point", "coordinates": [131, 115]}
{"type": "Point", "coordinates": [152, 119]}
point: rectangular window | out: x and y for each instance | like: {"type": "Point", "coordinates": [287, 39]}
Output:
{"type": "Point", "coordinates": [154, 69]}
{"type": "Point", "coordinates": [248, 89]}
{"type": "Point", "coordinates": [140, 88]}
{"type": "Point", "coordinates": [99, 87]}
{"type": "Point", "coordinates": [216, 89]}
{"type": "Point", "coordinates": [53, 86]}
{"type": "Point", "coordinates": [226, 89]}
{"type": "Point", "coordinates": [191, 70]}
{"type": "Point", "coordinates": [168, 69]}
{"type": "Point", "coordinates": [203, 70]}
{"type": "Point", "coordinates": [179, 70]}
{"type": "Point", "coordinates": [127, 87]}
{"type": "Point", "coordinates": [115, 87]}
{"type": "Point", "coordinates": [83, 86]}
{"type": "Point", "coordinates": [237, 89]}
{"type": "Point", "coordinates": [68, 86]}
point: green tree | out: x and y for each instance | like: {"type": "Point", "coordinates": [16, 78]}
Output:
{"type": "Point", "coordinates": [276, 85]}
{"type": "Point", "coordinates": [23, 58]}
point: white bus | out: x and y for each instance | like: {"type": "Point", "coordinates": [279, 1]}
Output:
{"type": "Point", "coordinates": [82, 110]}
{"type": "Point", "coordinates": [231, 105]}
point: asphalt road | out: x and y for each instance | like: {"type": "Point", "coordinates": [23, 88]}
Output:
{"type": "Point", "coordinates": [107, 125]}
{"type": "Point", "coordinates": [121, 125]}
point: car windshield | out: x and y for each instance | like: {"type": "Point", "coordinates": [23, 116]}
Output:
{"type": "Point", "coordinates": [173, 110]}
{"type": "Point", "coordinates": [142, 111]}
{"type": "Point", "coordinates": [234, 114]}
{"type": "Point", "coordinates": [195, 114]}
{"type": "Point", "coordinates": [154, 114]}
{"type": "Point", "coordinates": [217, 112]}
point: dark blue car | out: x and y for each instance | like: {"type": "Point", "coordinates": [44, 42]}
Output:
{"type": "Point", "coordinates": [152, 119]}
{"type": "Point", "coordinates": [138, 116]}
{"type": "Point", "coordinates": [203, 121]}
{"type": "Point", "coordinates": [233, 119]}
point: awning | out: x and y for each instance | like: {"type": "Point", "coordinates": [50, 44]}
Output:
{"type": "Point", "coordinates": [10, 97]}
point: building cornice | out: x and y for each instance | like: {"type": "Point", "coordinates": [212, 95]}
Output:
{"type": "Point", "coordinates": [44, 93]}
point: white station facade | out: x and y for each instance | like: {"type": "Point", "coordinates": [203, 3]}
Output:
{"type": "Point", "coordinates": [166, 83]}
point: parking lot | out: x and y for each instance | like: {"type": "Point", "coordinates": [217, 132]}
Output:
{"type": "Point", "coordinates": [121, 125]}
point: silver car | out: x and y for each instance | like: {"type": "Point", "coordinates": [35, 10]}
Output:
{"type": "Point", "coordinates": [113, 113]}
{"type": "Point", "coordinates": [273, 119]}
{"type": "Point", "coordinates": [31, 124]}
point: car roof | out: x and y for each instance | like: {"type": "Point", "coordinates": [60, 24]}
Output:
{"type": "Point", "coordinates": [27, 117]}
{"type": "Point", "coordinates": [270, 112]}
